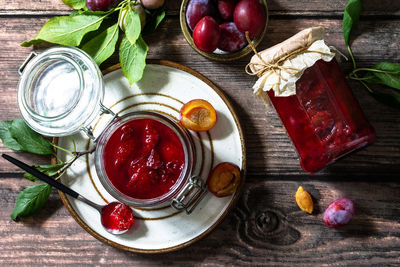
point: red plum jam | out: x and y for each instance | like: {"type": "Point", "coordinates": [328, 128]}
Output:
{"type": "Point", "coordinates": [143, 158]}
{"type": "Point", "coordinates": [323, 119]}
{"type": "Point", "coordinates": [117, 217]}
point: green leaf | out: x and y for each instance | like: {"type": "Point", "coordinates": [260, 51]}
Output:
{"type": "Point", "coordinates": [155, 19]}
{"type": "Point", "coordinates": [102, 46]}
{"type": "Point", "coordinates": [133, 26]}
{"type": "Point", "coordinates": [105, 24]}
{"type": "Point", "coordinates": [28, 139]}
{"type": "Point", "coordinates": [50, 170]}
{"type": "Point", "coordinates": [370, 78]}
{"type": "Point", "coordinates": [74, 13]}
{"type": "Point", "coordinates": [66, 30]}
{"type": "Point", "coordinates": [388, 99]}
{"type": "Point", "coordinates": [133, 58]}
{"type": "Point", "coordinates": [391, 75]}
{"type": "Point", "coordinates": [17, 135]}
{"type": "Point", "coordinates": [75, 4]}
{"type": "Point", "coordinates": [350, 18]}
{"type": "Point", "coordinates": [30, 177]}
{"type": "Point", "coordinates": [6, 137]}
{"type": "Point", "coordinates": [31, 200]}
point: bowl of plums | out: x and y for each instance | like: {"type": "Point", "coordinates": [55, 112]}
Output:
{"type": "Point", "coordinates": [216, 29]}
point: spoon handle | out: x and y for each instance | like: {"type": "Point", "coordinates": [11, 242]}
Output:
{"type": "Point", "coordinates": [41, 176]}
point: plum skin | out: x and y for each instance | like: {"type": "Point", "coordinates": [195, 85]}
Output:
{"type": "Point", "coordinates": [206, 34]}
{"type": "Point", "coordinates": [197, 9]}
{"type": "Point", "coordinates": [226, 8]}
{"type": "Point", "coordinates": [152, 4]}
{"type": "Point", "coordinates": [231, 39]}
{"type": "Point", "coordinates": [249, 16]}
{"type": "Point", "coordinates": [339, 212]}
{"type": "Point", "coordinates": [101, 5]}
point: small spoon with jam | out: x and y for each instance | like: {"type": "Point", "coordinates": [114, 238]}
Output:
{"type": "Point", "coordinates": [116, 217]}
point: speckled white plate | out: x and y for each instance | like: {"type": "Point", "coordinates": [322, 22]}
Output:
{"type": "Point", "coordinates": [164, 87]}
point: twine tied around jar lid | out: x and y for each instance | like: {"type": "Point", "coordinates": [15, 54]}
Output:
{"type": "Point", "coordinates": [280, 66]}
{"type": "Point", "coordinates": [276, 67]}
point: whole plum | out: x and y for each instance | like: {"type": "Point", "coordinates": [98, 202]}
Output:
{"type": "Point", "coordinates": [206, 34]}
{"type": "Point", "coordinates": [339, 212]}
{"type": "Point", "coordinates": [152, 4]}
{"type": "Point", "coordinates": [197, 9]}
{"type": "Point", "coordinates": [226, 8]}
{"type": "Point", "coordinates": [249, 15]}
{"type": "Point", "coordinates": [101, 5]}
{"type": "Point", "coordinates": [231, 39]}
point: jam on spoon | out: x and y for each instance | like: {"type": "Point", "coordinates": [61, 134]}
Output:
{"type": "Point", "coordinates": [116, 217]}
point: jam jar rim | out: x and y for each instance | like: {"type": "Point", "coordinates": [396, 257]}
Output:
{"type": "Point", "coordinates": [31, 67]}
{"type": "Point", "coordinates": [37, 121]}
{"type": "Point", "coordinates": [187, 144]}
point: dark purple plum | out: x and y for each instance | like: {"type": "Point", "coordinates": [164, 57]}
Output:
{"type": "Point", "coordinates": [231, 39]}
{"type": "Point", "coordinates": [339, 212]}
{"type": "Point", "coordinates": [206, 34]}
{"type": "Point", "coordinates": [152, 4]}
{"type": "Point", "coordinates": [226, 8]}
{"type": "Point", "coordinates": [197, 9]}
{"type": "Point", "coordinates": [249, 15]}
{"type": "Point", "coordinates": [101, 5]}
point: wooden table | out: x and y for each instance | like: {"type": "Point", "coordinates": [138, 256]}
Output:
{"type": "Point", "coordinates": [266, 227]}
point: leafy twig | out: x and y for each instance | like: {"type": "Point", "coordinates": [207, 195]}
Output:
{"type": "Point", "coordinates": [385, 73]}
{"type": "Point", "coordinates": [75, 30]}
{"type": "Point", "coordinates": [77, 155]}
{"type": "Point", "coordinates": [17, 135]}
{"type": "Point", "coordinates": [352, 57]}
{"type": "Point", "coordinates": [374, 70]}
{"type": "Point", "coordinates": [63, 149]}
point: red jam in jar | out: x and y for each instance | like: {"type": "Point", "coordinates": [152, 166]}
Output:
{"type": "Point", "coordinates": [323, 119]}
{"type": "Point", "coordinates": [143, 158]}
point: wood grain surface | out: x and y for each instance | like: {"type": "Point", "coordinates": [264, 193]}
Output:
{"type": "Point", "coordinates": [266, 227]}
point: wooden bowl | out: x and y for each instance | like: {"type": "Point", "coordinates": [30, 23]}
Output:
{"type": "Point", "coordinates": [219, 55]}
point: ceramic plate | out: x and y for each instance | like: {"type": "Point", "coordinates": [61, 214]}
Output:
{"type": "Point", "coordinates": [164, 87]}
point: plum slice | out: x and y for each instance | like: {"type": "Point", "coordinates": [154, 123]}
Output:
{"type": "Point", "coordinates": [224, 179]}
{"type": "Point", "coordinates": [198, 115]}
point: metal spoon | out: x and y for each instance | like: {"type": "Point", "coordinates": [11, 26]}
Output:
{"type": "Point", "coordinates": [122, 214]}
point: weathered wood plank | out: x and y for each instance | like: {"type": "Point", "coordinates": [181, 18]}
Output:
{"type": "Point", "coordinates": [282, 7]}
{"type": "Point", "coordinates": [269, 149]}
{"type": "Point", "coordinates": [265, 228]}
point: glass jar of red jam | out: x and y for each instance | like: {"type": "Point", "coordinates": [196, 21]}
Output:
{"type": "Point", "coordinates": [144, 159]}
{"type": "Point", "coordinates": [323, 118]}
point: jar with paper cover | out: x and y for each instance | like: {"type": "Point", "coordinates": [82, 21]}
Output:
{"type": "Point", "coordinates": [303, 80]}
